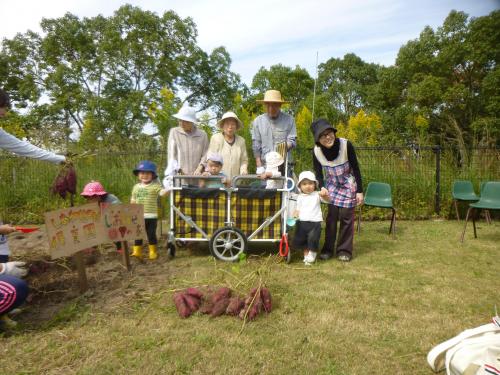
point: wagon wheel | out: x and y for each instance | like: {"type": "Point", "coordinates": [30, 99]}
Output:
{"type": "Point", "coordinates": [228, 243]}
{"type": "Point", "coordinates": [171, 250]}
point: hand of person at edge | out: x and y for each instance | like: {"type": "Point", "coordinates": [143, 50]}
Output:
{"type": "Point", "coordinates": [359, 199]}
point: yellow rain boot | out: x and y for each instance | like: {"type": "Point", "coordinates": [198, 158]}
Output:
{"type": "Point", "coordinates": [137, 251]}
{"type": "Point", "coordinates": [153, 254]}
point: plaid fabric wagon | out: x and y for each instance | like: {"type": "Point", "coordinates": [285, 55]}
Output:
{"type": "Point", "coordinates": [206, 207]}
{"type": "Point", "coordinates": [250, 207]}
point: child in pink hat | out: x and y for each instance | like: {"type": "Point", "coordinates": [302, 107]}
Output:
{"type": "Point", "coordinates": [94, 192]}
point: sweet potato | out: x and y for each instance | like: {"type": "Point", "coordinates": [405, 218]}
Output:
{"type": "Point", "coordinates": [255, 309]}
{"type": "Point", "coordinates": [220, 307]}
{"type": "Point", "coordinates": [181, 306]}
{"type": "Point", "coordinates": [206, 302]}
{"type": "Point", "coordinates": [65, 182]}
{"type": "Point", "coordinates": [70, 177]}
{"type": "Point", "coordinates": [266, 299]}
{"type": "Point", "coordinates": [253, 305]}
{"type": "Point", "coordinates": [192, 302]}
{"type": "Point", "coordinates": [206, 307]}
{"type": "Point", "coordinates": [235, 305]}
{"type": "Point", "coordinates": [221, 293]}
{"type": "Point", "coordinates": [194, 292]}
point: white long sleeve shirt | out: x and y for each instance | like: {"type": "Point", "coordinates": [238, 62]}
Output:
{"type": "Point", "coordinates": [23, 148]}
{"type": "Point", "coordinates": [309, 207]}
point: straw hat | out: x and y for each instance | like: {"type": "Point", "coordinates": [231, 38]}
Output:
{"type": "Point", "coordinates": [272, 96]}
{"type": "Point", "coordinates": [227, 115]}
{"type": "Point", "coordinates": [187, 114]}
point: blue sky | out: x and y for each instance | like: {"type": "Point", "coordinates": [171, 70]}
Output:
{"type": "Point", "coordinates": [262, 33]}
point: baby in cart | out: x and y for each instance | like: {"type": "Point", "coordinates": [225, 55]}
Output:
{"type": "Point", "coordinates": [213, 168]}
{"type": "Point", "coordinates": [273, 162]}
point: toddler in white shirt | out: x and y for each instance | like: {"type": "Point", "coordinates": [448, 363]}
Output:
{"type": "Point", "coordinates": [308, 212]}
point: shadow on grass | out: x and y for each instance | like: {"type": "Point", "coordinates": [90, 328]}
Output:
{"type": "Point", "coordinates": [74, 310]}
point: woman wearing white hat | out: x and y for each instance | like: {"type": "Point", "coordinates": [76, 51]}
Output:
{"type": "Point", "coordinates": [187, 144]}
{"type": "Point", "coordinates": [230, 146]}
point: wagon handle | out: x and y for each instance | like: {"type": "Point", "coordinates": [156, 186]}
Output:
{"type": "Point", "coordinates": [287, 181]}
{"type": "Point", "coordinates": [284, 239]}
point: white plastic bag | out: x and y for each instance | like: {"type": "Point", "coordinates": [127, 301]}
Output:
{"type": "Point", "coordinates": [474, 351]}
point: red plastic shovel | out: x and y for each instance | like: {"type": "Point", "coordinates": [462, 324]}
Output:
{"type": "Point", "coordinates": [26, 230]}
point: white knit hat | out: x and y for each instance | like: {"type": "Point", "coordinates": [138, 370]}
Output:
{"type": "Point", "coordinates": [187, 114]}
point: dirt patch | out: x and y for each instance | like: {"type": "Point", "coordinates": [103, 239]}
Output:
{"type": "Point", "coordinates": [53, 283]}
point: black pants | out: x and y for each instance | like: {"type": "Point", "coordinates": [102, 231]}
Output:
{"type": "Point", "coordinates": [307, 234]}
{"type": "Point", "coordinates": [150, 231]}
{"type": "Point", "coordinates": [346, 232]}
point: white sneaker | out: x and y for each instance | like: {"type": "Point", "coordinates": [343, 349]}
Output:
{"type": "Point", "coordinates": [310, 258]}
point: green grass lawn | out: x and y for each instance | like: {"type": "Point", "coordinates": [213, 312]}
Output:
{"type": "Point", "coordinates": [379, 314]}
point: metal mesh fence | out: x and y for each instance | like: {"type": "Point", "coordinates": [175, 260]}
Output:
{"type": "Point", "coordinates": [421, 180]}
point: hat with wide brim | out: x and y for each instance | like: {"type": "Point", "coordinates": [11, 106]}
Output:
{"type": "Point", "coordinates": [307, 175]}
{"type": "Point", "coordinates": [272, 96]}
{"type": "Point", "coordinates": [146, 166]}
{"type": "Point", "coordinates": [186, 114]}
{"type": "Point", "coordinates": [93, 188]}
{"type": "Point", "coordinates": [319, 126]}
{"type": "Point", "coordinates": [227, 115]}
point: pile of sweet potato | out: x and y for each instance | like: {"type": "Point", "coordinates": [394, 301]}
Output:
{"type": "Point", "coordinates": [223, 301]}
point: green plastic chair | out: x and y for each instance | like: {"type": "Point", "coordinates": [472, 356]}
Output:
{"type": "Point", "coordinates": [490, 200]}
{"type": "Point", "coordinates": [463, 191]}
{"type": "Point", "coordinates": [378, 194]}
{"type": "Point", "coordinates": [486, 212]}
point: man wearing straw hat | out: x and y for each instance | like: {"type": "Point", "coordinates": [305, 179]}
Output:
{"type": "Point", "coordinates": [272, 130]}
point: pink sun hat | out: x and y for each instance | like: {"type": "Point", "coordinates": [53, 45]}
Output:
{"type": "Point", "coordinates": [93, 188]}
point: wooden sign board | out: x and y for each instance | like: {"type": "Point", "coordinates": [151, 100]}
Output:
{"type": "Point", "coordinates": [123, 222]}
{"type": "Point", "coordinates": [70, 230]}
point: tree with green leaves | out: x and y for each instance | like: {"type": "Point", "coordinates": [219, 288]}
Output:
{"type": "Point", "coordinates": [450, 78]}
{"type": "Point", "coordinates": [295, 84]}
{"type": "Point", "coordinates": [100, 75]}
{"type": "Point", "coordinates": [345, 84]}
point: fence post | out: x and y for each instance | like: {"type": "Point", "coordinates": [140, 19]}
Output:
{"type": "Point", "coordinates": [437, 196]}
